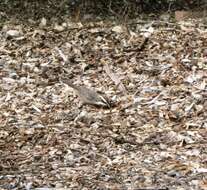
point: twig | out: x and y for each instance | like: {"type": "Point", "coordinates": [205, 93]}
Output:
{"type": "Point", "coordinates": [114, 78]}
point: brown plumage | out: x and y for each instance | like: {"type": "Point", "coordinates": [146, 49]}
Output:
{"type": "Point", "coordinates": [89, 96]}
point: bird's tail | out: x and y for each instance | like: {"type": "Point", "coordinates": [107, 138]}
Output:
{"type": "Point", "coordinates": [68, 82]}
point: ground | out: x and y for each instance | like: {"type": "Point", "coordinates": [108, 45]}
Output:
{"type": "Point", "coordinates": [154, 137]}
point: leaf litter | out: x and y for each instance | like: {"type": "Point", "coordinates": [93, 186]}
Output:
{"type": "Point", "coordinates": [155, 136]}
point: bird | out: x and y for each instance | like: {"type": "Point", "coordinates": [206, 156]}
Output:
{"type": "Point", "coordinates": [89, 96]}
